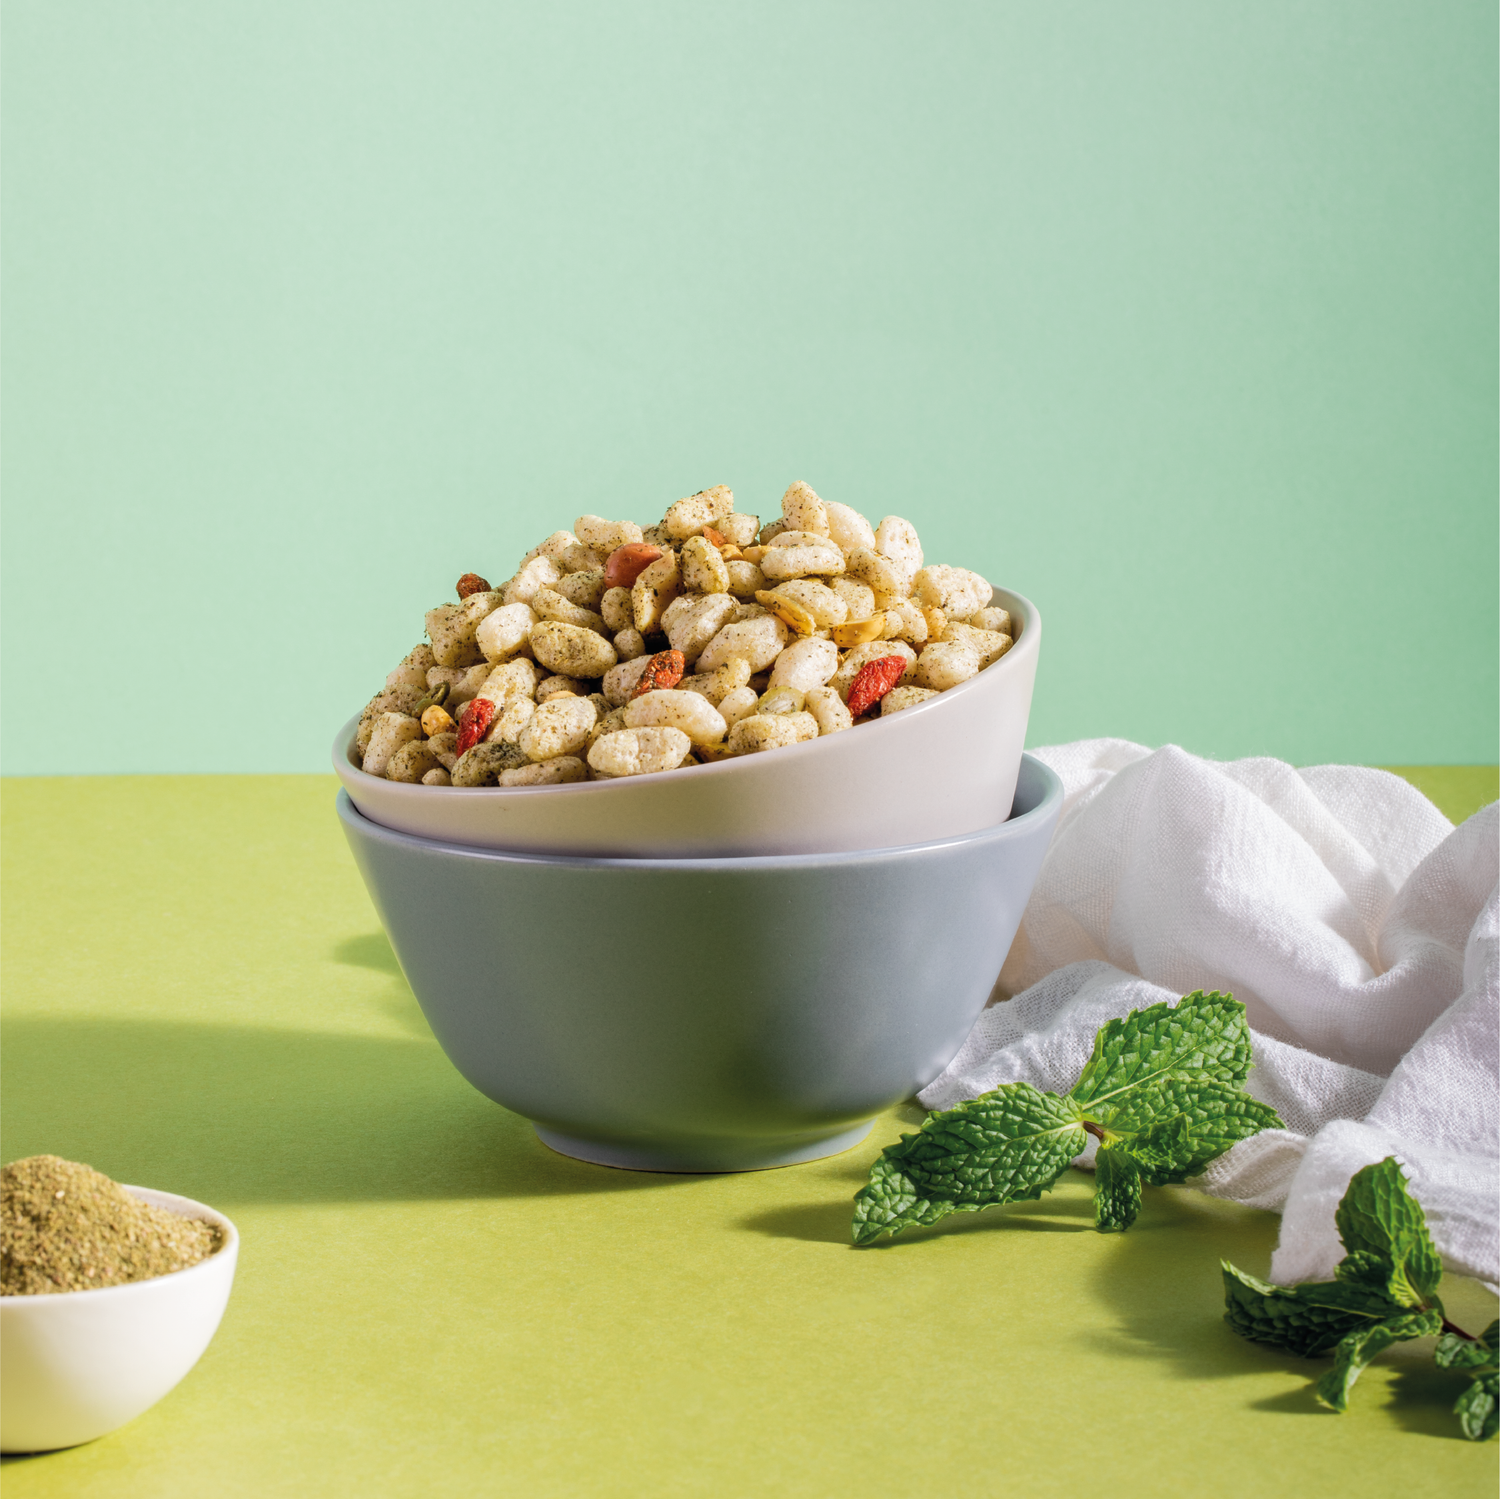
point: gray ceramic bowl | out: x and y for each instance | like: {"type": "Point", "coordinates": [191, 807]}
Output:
{"type": "Point", "coordinates": [705, 1014]}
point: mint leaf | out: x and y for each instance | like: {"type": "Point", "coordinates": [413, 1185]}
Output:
{"type": "Point", "coordinates": [1004, 1146]}
{"type": "Point", "coordinates": [1203, 1034]}
{"type": "Point", "coordinates": [1454, 1351]}
{"type": "Point", "coordinates": [1305, 1319]}
{"type": "Point", "coordinates": [1166, 1062]}
{"type": "Point", "coordinates": [1477, 1409]}
{"type": "Point", "coordinates": [1357, 1348]}
{"type": "Point", "coordinates": [1384, 1292]}
{"type": "Point", "coordinates": [1117, 1197]}
{"type": "Point", "coordinates": [1217, 1114]}
{"type": "Point", "coordinates": [1379, 1217]}
{"type": "Point", "coordinates": [1161, 1092]}
{"type": "Point", "coordinates": [1161, 1148]}
{"type": "Point", "coordinates": [1365, 1268]}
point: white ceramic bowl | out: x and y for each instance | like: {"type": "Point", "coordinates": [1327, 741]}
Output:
{"type": "Point", "coordinates": [77, 1364]}
{"type": "Point", "coordinates": [942, 769]}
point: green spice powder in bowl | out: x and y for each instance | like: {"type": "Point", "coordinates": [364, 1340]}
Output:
{"type": "Point", "coordinates": [110, 1296]}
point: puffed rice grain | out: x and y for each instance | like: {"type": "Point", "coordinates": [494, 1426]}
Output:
{"type": "Point", "coordinates": [412, 761]}
{"type": "Point", "coordinates": [703, 569]}
{"type": "Point", "coordinates": [989, 644]}
{"type": "Point", "coordinates": [903, 697]}
{"type": "Point", "coordinates": [391, 731]}
{"type": "Point", "coordinates": [955, 590]}
{"type": "Point", "coordinates": [897, 539]}
{"type": "Point", "coordinates": [554, 772]}
{"type": "Point", "coordinates": [485, 762]}
{"type": "Point", "coordinates": [805, 664]}
{"type": "Point", "coordinates": [688, 517]}
{"type": "Point", "coordinates": [657, 585]}
{"type": "Point", "coordinates": [991, 618]}
{"type": "Point", "coordinates": [848, 528]}
{"type": "Point", "coordinates": [540, 572]}
{"type": "Point", "coordinates": [781, 563]}
{"type": "Point", "coordinates": [559, 727]}
{"type": "Point", "coordinates": [550, 604]}
{"type": "Point", "coordinates": [768, 731]}
{"type": "Point", "coordinates": [605, 535]}
{"type": "Point", "coordinates": [945, 665]}
{"type": "Point", "coordinates": [570, 650]}
{"type": "Point", "coordinates": [620, 681]}
{"type": "Point", "coordinates": [629, 644]}
{"type": "Point", "coordinates": [715, 685]}
{"type": "Point", "coordinates": [803, 510]}
{"type": "Point", "coordinates": [670, 708]}
{"type": "Point", "coordinates": [690, 623]}
{"type": "Point", "coordinates": [738, 704]}
{"type": "Point", "coordinates": [512, 719]}
{"type": "Point", "coordinates": [639, 752]}
{"type": "Point", "coordinates": [757, 641]}
{"type": "Point", "coordinates": [505, 630]}
{"type": "Point", "coordinates": [880, 574]}
{"type": "Point", "coordinates": [616, 608]}
{"type": "Point", "coordinates": [829, 710]}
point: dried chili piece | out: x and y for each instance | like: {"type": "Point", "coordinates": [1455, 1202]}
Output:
{"type": "Point", "coordinates": [664, 670]}
{"type": "Point", "coordinates": [474, 722]}
{"type": "Point", "coordinates": [875, 679]}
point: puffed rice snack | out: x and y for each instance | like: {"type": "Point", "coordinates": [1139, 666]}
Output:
{"type": "Point", "coordinates": [616, 650]}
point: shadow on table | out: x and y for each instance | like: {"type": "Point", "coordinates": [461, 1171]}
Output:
{"type": "Point", "coordinates": [1163, 1283]}
{"type": "Point", "coordinates": [233, 1114]}
{"type": "Point", "coordinates": [372, 950]}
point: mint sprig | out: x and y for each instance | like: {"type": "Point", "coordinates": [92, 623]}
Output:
{"type": "Point", "coordinates": [1477, 1407]}
{"type": "Point", "coordinates": [1384, 1291]}
{"type": "Point", "coordinates": [1162, 1092]}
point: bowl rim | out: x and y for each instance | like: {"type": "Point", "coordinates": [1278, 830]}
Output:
{"type": "Point", "coordinates": [1048, 805]}
{"type": "Point", "coordinates": [1026, 646]}
{"type": "Point", "coordinates": [185, 1207]}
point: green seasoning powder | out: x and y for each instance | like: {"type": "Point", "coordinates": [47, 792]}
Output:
{"type": "Point", "coordinates": [67, 1227]}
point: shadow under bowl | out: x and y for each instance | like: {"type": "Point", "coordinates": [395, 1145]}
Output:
{"type": "Point", "coordinates": [715, 1014]}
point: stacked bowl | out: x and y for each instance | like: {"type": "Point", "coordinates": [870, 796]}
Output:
{"type": "Point", "coordinates": [730, 967]}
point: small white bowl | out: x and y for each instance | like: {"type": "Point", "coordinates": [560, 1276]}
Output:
{"type": "Point", "coordinates": [77, 1364]}
{"type": "Point", "coordinates": [942, 769]}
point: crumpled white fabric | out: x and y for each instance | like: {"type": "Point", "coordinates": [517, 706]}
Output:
{"type": "Point", "coordinates": [1360, 929]}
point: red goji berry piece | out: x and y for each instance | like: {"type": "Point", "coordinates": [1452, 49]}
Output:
{"type": "Point", "coordinates": [875, 679]}
{"type": "Point", "coordinates": [628, 562]}
{"type": "Point", "coordinates": [474, 722]}
{"type": "Point", "coordinates": [471, 583]}
{"type": "Point", "coordinates": [664, 670]}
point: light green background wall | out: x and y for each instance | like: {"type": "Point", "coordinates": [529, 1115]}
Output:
{"type": "Point", "coordinates": [1179, 318]}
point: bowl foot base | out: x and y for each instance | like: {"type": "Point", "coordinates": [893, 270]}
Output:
{"type": "Point", "coordinates": [695, 1159]}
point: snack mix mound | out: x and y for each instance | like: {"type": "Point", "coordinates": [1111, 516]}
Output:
{"type": "Point", "coordinates": [615, 651]}
{"type": "Point", "coordinates": [67, 1227]}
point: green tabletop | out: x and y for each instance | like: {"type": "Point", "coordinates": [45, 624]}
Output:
{"type": "Point", "coordinates": [199, 998]}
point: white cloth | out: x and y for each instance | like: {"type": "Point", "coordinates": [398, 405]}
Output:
{"type": "Point", "coordinates": [1358, 927]}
